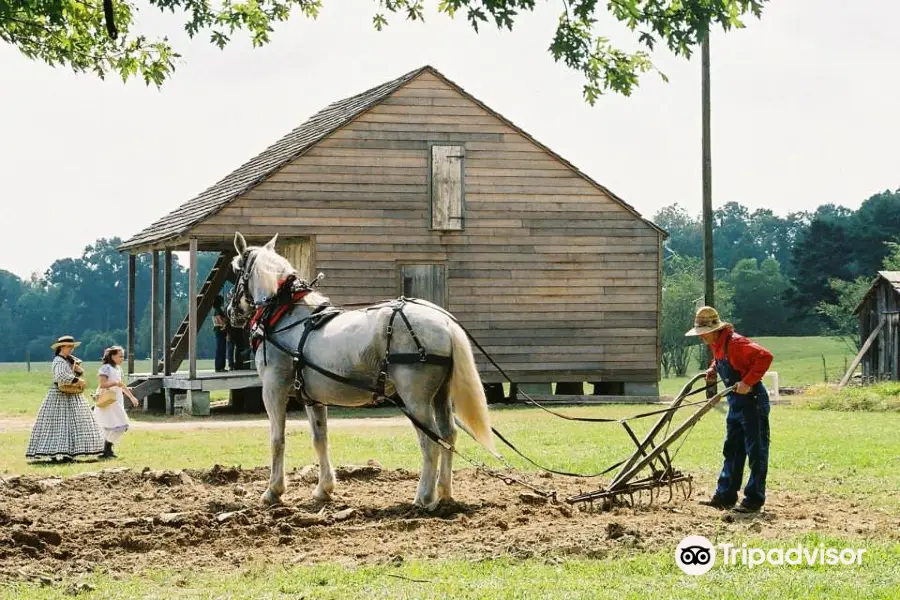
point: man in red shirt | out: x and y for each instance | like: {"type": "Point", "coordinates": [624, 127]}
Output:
{"type": "Point", "coordinates": [739, 361]}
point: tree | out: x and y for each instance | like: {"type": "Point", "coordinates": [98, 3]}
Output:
{"type": "Point", "coordinates": [100, 36]}
{"type": "Point", "coordinates": [685, 233]}
{"type": "Point", "coordinates": [758, 305]}
{"type": "Point", "coordinates": [892, 260]}
{"type": "Point", "coordinates": [823, 252]}
{"type": "Point", "coordinates": [876, 222]}
{"type": "Point", "coordinates": [682, 294]}
{"type": "Point", "coordinates": [839, 314]}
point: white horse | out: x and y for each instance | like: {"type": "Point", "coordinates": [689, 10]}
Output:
{"type": "Point", "coordinates": [352, 345]}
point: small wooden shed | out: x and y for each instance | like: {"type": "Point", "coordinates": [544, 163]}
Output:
{"type": "Point", "coordinates": [879, 328]}
{"type": "Point", "coordinates": [415, 187]}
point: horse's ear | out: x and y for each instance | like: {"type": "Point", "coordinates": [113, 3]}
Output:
{"type": "Point", "coordinates": [271, 244]}
{"type": "Point", "coordinates": [240, 244]}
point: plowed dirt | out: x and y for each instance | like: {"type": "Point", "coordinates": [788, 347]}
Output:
{"type": "Point", "coordinates": [123, 520]}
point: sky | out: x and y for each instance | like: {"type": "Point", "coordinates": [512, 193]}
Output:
{"type": "Point", "coordinates": [804, 112]}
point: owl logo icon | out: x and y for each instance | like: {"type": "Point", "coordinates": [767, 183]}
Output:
{"type": "Point", "coordinates": [695, 555]}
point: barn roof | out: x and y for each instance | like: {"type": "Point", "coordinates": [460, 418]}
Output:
{"type": "Point", "coordinates": [335, 116]}
{"type": "Point", "coordinates": [891, 277]}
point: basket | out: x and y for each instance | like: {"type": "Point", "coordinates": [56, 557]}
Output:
{"type": "Point", "coordinates": [104, 398]}
{"type": "Point", "coordinates": [72, 388]}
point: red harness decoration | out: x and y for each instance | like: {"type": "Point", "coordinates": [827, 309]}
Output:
{"type": "Point", "coordinates": [276, 316]}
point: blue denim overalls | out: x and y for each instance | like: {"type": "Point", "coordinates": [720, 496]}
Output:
{"type": "Point", "coordinates": [746, 437]}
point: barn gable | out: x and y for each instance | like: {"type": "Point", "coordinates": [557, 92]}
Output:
{"type": "Point", "coordinates": [382, 107]}
{"type": "Point", "coordinates": [416, 188]}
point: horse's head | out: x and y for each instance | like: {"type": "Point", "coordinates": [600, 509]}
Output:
{"type": "Point", "coordinates": [257, 271]}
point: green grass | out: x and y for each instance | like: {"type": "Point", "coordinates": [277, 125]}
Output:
{"type": "Point", "coordinates": [882, 397]}
{"type": "Point", "coordinates": [637, 576]}
{"type": "Point", "coordinates": [23, 392]}
{"type": "Point", "coordinates": [798, 361]}
{"type": "Point", "coordinates": [856, 455]}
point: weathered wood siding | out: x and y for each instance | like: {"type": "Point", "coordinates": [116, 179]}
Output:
{"type": "Point", "coordinates": [882, 361]}
{"type": "Point", "coordinates": [558, 280]}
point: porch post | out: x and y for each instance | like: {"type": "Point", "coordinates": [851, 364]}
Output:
{"type": "Point", "coordinates": [193, 326]}
{"type": "Point", "coordinates": [130, 343]}
{"type": "Point", "coordinates": [167, 314]}
{"type": "Point", "coordinates": [154, 313]}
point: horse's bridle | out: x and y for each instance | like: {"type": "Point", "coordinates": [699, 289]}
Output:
{"type": "Point", "coordinates": [242, 284]}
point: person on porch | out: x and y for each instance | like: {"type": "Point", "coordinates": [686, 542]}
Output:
{"type": "Point", "coordinates": [220, 330]}
{"type": "Point", "coordinates": [738, 361]}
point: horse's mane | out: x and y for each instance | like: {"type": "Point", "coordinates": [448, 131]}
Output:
{"type": "Point", "coordinates": [271, 268]}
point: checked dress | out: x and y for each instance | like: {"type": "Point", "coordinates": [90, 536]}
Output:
{"type": "Point", "coordinates": [65, 426]}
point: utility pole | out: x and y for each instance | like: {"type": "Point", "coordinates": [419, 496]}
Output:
{"type": "Point", "coordinates": [707, 179]}
{"type": "Point", "coordinates": [708, 263]}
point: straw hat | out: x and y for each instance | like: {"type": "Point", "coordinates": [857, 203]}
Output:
{"type": "Point", "coordinates": [707, 321]}
{"type": "Point", "coordinates": [66, 340]}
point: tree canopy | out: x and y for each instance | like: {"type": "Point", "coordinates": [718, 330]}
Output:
{"type": "Point", "coordinates": [101, 36]}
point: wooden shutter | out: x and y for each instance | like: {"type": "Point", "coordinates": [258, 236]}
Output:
{"type": "Point", "coordinates": [447, 187]}
{"type": "Point", "coordinates": [427, 282]}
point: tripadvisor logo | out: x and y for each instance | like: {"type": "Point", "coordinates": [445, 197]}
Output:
{"type": "Point", "coordinates": [696, 555]}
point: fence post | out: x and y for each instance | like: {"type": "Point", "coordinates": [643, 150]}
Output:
{"type": "Point", "coordinates": [824, 369]}
{"type": "Point", "coordinates": [28, 360]}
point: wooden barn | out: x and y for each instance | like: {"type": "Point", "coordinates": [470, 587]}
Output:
{"type": "Point", "coordinates": [879, 328]}
{"type": "Point", "coordinates": [416, 187]}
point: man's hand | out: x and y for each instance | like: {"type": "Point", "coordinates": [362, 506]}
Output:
{"type": "Point", "coordinates": [710, 375]}
{"type": "Point", "coordinates": [743, 388]}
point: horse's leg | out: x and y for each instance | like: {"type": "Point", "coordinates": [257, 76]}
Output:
{"type": "Point", "coordinates": [275, 398]}
{"type": "Point", "coordinates": [318, 424]}
{"type": "Point", "coordinates": [446, 428]}
{"type": "Point", "coordinates": [411, 384]}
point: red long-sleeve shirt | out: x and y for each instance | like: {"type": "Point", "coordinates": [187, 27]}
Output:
{"type": "Point", "coordinates": [745, 356]}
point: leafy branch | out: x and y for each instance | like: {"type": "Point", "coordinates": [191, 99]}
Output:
{"type": "Point", "coordinates": [98, 36]}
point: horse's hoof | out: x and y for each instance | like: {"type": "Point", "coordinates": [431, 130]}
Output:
{"type": "Point", "coordinates": [322, 495]}
{"type": "Point", "coordinates": [269, 498]}
{"type": "Point", "coordinates": [433, 506]}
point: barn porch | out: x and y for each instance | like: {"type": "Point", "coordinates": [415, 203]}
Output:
{"type": "Point", "coordinates": [168, 387]}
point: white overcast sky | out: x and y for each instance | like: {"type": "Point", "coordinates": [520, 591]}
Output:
{"type": "Point", "coordinates": [806, 111]}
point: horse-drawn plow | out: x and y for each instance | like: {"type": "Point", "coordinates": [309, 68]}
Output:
{"type": "Point", "coordinates": [652, 454]}
{"type": "Point", "coordinates": [649, 472]}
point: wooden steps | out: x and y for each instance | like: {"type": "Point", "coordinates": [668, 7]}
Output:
{"type": "Point", "coordinates": [218, 275]}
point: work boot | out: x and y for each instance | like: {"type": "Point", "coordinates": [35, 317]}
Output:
{"type": "Point", "coordinates": [717, 502]}
{"type": "Point", "coordinates": [748, 507]}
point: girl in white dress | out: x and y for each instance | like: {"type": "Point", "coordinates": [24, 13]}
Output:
{"type": "Point", "coordinates": [113, 419]}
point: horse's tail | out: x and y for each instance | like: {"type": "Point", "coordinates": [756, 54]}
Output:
{"type": "Point", "coordinates": [466, 390]}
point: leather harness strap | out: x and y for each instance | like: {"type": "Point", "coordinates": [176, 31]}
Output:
{"type": "Point", "coordinates": [268, 316]}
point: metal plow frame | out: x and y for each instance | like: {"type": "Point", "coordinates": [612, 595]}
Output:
{"type": "Point", "coordinates": [655, 455]}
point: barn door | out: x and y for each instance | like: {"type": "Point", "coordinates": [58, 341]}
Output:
{"type": "Point", "coordinates": [300, 253]}
{"type": "Point", "coordinates": [427, 282]}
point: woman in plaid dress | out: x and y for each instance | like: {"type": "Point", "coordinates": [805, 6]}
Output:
{"type": "Point", "coordinates": [65, 427]}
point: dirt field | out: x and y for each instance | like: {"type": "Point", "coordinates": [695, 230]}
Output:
{"type": "Point", "coordinates": [127, 521]}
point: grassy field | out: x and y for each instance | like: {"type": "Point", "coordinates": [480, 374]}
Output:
{"type": "Point", "coordinates": [798, 361]}
{"type": "Point", "coordinates": [849, 455]}
{"type": "Point", "coordinates": [645, 575]}
{"type": "Point", "coordinates": [852, 455]}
